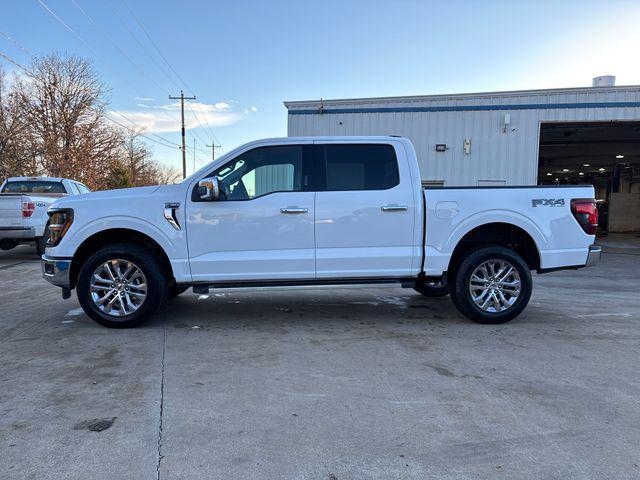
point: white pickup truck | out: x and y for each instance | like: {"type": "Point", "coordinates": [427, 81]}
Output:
{"type": "Point", "coordinates": [23, 208]}
{"type": "Point", "coordinates": [316, 211]}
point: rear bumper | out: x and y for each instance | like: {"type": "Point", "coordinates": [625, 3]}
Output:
{"type": "Point", "coordinates": [20, 233]}
{"type": "Point", "coordinates": [56, 271]}
{"type": "Point", "coordinates": [593, 258]}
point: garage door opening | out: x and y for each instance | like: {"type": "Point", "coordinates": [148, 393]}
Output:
{"type": "Point", "coordinates": [603, 154]}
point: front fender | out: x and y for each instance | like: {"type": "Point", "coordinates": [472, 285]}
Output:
{"type": "Point", "coordinates": [163, 239]}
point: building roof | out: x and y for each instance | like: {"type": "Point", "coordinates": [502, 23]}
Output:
{"type": "Point", "coordinates": [622, 91]}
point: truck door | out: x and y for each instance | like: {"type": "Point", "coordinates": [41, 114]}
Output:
{"type": "Point", "coordinates": [364, 211]}
{"type": "Point", "coordinates": [261, 227]}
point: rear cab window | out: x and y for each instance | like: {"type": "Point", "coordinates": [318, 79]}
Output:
{"type": "Point", "coordinates": [33, 186]}
{"type": "Point", "coordinates": [83, 188]}
{"type": "Point", "coordinates": [357, 167]}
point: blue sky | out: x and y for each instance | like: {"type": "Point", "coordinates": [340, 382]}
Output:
{"type": "Point", "coordinates": [242, 59]}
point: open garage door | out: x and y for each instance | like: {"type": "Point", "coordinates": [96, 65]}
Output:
{"type": "Point", "coordinates": [603, 154]}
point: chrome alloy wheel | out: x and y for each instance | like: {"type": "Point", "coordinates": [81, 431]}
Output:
{"type": "Point", "coordinates": [118, 287]}
{"type": "Point", "coordinates": [495, 286]}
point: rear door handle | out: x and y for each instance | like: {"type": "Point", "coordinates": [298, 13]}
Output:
{"type": "Point", "coordinates": [293, 210]}
{"type": "Point", "coordinates": [394, 208]}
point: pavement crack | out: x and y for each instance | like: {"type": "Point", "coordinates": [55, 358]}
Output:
{"type": "Point", "coordinates": [164, 344]}
{"type": "Point", "coordinates": [6, 267]}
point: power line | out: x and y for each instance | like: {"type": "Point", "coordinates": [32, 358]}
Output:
{"type": "Point", "coordinates": [84, 42]}
{"type": "Point", "coordinates": [128, 58]}
{"type": "Point", "coordinates": [163, 141]}
{"type": "Point", "coordinates": [168, 142]}
{"type": "Point", "coordinates": [12, 40]}
{"type": "Point", "coordinates": [124, 54]}
{"type": "Point", "coordinates": [115, 14]}
{"type": "Point", "coordinates": [155, 46]}
{"type": "Point", "coordinates": [44, 5]}
{"type": "Point", "coordinates": [11, 60]}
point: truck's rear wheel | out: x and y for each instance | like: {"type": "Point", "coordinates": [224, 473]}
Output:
{"type": "Point", "coordinates": [492, 285]}
{"type": "Point", "coordinates": [432, 288]}
{"type": "Point", "coordinates": [121, 286]}
{"type": "Point", "coordinates": [8, 243]}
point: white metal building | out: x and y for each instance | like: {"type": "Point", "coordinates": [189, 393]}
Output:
{"type": "Point", "coordinates": [574, 135]}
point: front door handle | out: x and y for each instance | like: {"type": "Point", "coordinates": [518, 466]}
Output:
{"type": "Point", "coordinates": [394, 208]}
{"type": "Point", "coordinates": [293, 210]}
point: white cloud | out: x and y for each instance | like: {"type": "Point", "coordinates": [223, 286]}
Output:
{"type": "Point", "coordinates": [166, 118]}
{"type": "Point", "coordinates": [144, 99]}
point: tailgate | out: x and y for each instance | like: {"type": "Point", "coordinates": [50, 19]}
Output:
{"type": "Point", "coordinates": [11, 211]}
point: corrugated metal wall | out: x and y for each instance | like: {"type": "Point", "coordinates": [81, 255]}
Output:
{"type": "Point", "coordinates": [273, 178]}
{"type": "Point", "coordinates": [498, 152]}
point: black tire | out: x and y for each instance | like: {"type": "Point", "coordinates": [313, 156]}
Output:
{"type": "Point", "coordinates": [462, 296]}
{"type": "Point", "coordinates": [156, 281]}
{"type": "Point", "coordinates": [176, 290]}
{"type": "Point", "coordinates": [432, 289]}
{"type": "Point", "coordinates": [41, 242]}
{"type": "Point", "coordinates": [8, 244]}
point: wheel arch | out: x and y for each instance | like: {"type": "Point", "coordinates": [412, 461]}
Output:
{"type": "Point", "coordinates": [506, 234]}
{"type": "Point", "coordinates": [117, 235]}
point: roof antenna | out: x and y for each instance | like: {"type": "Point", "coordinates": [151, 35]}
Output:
{"type": "Point", "coordinates": [321, 109]}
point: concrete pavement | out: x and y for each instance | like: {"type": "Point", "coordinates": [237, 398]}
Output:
{"type": "Point", "coordinates": [324, 384]}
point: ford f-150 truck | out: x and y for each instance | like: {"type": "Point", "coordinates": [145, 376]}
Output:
{"type": "Point", "coordinates": [23, 208]}
{"type": "Point", "coordinates": [315, 211]}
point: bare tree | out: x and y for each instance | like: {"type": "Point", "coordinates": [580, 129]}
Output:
{"type": "Point", "coordinates": [166, 175]}
{"type": "Point", "coordinates": [53, 121]}
{"type": "Point", "coordinates": [16, 153]}
{"type": "Point", "coordinates": [137, 159]}
{"type": "Point", "coordinates": [63, 101]}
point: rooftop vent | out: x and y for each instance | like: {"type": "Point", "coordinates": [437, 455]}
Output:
{"type": "Point", "coordinates": [604, 81]}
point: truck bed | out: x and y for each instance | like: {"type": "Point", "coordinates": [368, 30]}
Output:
{"type": "Point", "coordinates": [543, 212]}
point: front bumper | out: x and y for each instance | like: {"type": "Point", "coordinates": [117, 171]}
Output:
{"type": "Point", "coordinates": [18, 233]}
{"type": "Point", "coordinates": [56, 271]}
{"type": "Point", "coordinates": [594, 255]}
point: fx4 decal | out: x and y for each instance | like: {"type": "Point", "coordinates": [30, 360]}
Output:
{"type": "Point", "coordinates": [547, 202]}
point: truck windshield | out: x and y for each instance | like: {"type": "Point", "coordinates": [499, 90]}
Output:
{"type": "Point", "coordinates": [33, 186]}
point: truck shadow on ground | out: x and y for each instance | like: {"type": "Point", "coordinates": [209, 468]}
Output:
{"type": "Point", "coordinates": [279, 309]}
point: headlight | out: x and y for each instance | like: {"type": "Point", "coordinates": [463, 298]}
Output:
{"type": "Point", "coordinates": [59, 223]}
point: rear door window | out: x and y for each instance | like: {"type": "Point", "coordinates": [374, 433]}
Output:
{"type": "Point", "coordinates": [359, 167]}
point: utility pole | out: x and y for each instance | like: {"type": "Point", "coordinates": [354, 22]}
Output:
{"type": "Point", "coordinates": [182, 98]}
{"type": "Point", "coordinates": [213, 147]}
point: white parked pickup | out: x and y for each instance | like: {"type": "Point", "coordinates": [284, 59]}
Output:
{"type": "Point", "coordinates": [23, 208]}
{"type": "Point", "coordinates": [316, 211]}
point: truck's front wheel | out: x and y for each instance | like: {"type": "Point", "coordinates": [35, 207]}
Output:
{"type": "Point", "coordinates": [492, 285]}
{"type": "Point", "coordinates": [121, 286]}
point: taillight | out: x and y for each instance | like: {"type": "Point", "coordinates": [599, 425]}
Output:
{"type": "Point", "coordinates": [27, 209]}
{"type": "Point", "coordinates": [585, 212]}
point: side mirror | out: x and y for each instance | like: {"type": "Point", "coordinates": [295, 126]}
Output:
{"type": "Point", "coordinates": [209, 189]}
